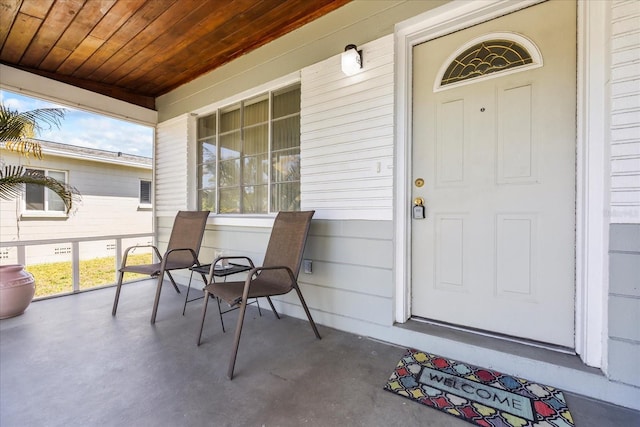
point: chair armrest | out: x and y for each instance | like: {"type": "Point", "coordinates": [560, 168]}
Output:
{"type": "Point", "coordinates": [257, 270]}
{"type": "Point", "coordinates": [169, 252]}
{"type": "Point", "coordinates": [126, 253]}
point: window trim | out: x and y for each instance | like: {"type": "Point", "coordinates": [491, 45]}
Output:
{"type": "Point", "coordinates": [268, 89]}
{"type": "Point", "coordinates": [44, 213]}
{"type": "Point", "coordinates": [142, 204]}
{"type": "Point", "coordinates": [523, 41]}
{"type": "Point", "coordinates": [273, 85]}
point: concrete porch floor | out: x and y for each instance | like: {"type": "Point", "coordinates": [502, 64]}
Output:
{"type": "Point", "coordinates": [68, 362]}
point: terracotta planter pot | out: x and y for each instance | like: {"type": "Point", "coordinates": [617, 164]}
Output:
{"type": "Point", "coordinates": [16, 290]}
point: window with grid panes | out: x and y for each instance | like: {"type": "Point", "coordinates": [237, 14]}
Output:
{"type": "Point", "coordinates": [249, 155]}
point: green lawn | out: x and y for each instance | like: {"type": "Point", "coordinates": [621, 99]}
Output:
{"type": "Point", "coordinates": [56, 278]}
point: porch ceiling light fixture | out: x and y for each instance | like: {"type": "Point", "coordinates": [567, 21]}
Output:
{"type": "Point", "coordinates": [351, 60]}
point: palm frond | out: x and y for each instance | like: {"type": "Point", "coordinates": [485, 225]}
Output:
{"type": "Point", "coordinates": [24, 147]}
{"type": "Point", "coordinates": [17, 130]}
{"type": "Point", "coordinates": [13, 180]}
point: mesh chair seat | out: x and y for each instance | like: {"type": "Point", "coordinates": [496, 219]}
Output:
{"type": "Point", "coordinates": [154, 269]}
{"type": "Point", "coordinates": [231, 292]}
{"type": "Point", "coordinates": [147, 269]}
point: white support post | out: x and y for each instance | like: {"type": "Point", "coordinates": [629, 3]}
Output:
{"type": "Point", "coordinates": [118, 256]}
{"type": "Point", "coordinates": [75, 265]}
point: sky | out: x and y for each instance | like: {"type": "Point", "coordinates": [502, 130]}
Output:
{"type": "Point", "coordinates": [87, 129]}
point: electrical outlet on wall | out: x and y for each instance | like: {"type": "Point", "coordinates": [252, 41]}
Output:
{"type": "Point", "coordinates": [307, 266]}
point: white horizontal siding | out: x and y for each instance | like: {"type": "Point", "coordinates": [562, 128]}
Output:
{"type": "Point", "coordinates": [625, 112]}
{"type": "Point", "coordinates": [108, 206]}
{"type": "Point", "coordinates": [347, 136]}
{"type": "Point", "coordinates": [172, 165]}
{"type": "Point", "coordinates": [352, 279]}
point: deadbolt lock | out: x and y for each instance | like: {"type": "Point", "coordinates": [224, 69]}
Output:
{"type": "Point", "coordinates": [418, 208]}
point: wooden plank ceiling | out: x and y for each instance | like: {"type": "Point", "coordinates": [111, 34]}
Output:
{"type": "Point", "coordinates": [136, 50]}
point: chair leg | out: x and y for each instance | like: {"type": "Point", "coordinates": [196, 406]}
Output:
{"type": "Point", "coordinates": [173, 282]}
{"type": "Point", "coordinates": [306, 310]}
{"type": "Point", "coordinates": [272, 307]}
{"type": "Point", "coordinates": [204, 314]}
{"type": "Point", "coordinates": [236, 342]}
{"type": "Point", "coordinates": [186, 298]}
{"type": "Point", "coordinates": [220, 313]}
{"type": "Point", "coordinates": [258, 305]}
{"type": "Point", "coordinates": [157, 300]}
{"type": "Point", "coordinates": [115, 301]}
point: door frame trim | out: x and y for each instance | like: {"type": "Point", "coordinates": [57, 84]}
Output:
{"type": "Point", "coordinates": [592, 183]}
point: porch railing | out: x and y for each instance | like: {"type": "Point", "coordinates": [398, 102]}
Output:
{"type": "Point", "coordinates": [75, 251]}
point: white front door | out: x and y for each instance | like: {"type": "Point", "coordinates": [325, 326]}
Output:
{"type": "Point", "coordinates": [496, 155]}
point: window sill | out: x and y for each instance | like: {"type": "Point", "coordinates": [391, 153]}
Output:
{"type": "Point", "coordinates": [242, 220]}
{"type": "Point", "coordinates": [43, 215]}
{"type": "Point", "coordinates": [145, 207]}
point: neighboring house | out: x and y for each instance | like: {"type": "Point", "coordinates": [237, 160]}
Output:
{"type": "Point", "coordinates": [530, 177]}
{"type": "Point", "coordinates": [116, 199]}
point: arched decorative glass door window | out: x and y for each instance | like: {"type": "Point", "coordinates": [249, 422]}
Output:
{"type": "Point", "coordinates": [486, 57]}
